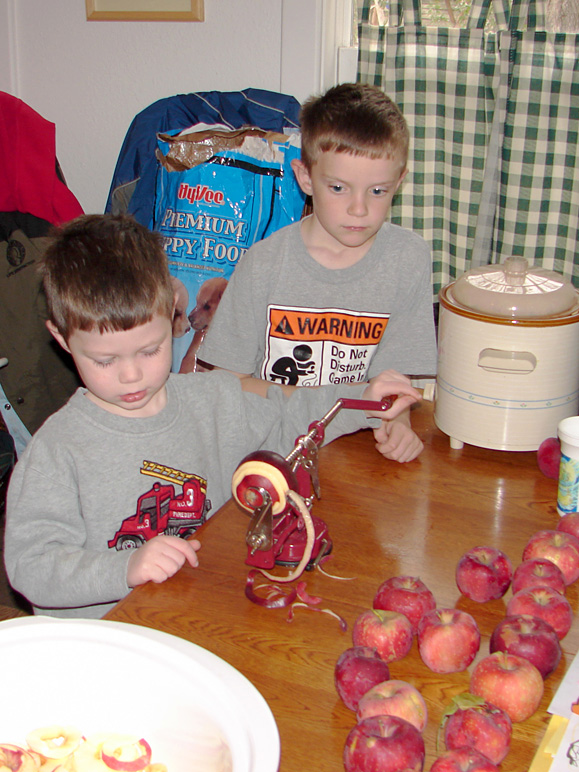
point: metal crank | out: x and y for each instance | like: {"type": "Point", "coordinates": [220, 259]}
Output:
{"type": "Point", "coordinates": [261, 485]}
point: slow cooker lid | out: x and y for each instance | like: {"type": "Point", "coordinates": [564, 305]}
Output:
{"type": "Point", "coordinates": [514, 290]}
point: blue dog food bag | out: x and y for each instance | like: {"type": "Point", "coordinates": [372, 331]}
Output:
{"type": "Point", "coordinates": [217, 193]}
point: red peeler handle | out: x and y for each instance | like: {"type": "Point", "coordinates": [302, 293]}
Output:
{"type": "Point", "coordinates": [366, 404]}
{"type": "Point", "coordinates": [316, 430]}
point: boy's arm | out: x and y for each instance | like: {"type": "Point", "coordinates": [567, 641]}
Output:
{"type": "Point", "coordinates": [288, 417]}
{"type": "Point", "coordinates": [258, 386]}
{"type": "Point", "coordinates": [395, 438]}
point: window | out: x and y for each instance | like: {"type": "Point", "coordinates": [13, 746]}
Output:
{"type": "Point", "coordinates": [561, 15]}
{"type": "Point", "coordinates": [435, 13]}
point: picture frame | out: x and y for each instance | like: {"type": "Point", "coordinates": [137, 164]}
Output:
{"type": "Point", "coordinates": [145, 10]}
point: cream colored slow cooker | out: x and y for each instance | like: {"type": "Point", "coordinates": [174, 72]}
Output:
{"type": "Point", "coordinates": [508, 356]}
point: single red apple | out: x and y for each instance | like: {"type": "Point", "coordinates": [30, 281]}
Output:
{"type": "Point", "coordinates": [448, 640]}
{"type": "Point", "coordinates": [389, 632]}
{"type": "Point", "coordinates": [479, 725]}
{"type": "Point", "coordinates": [407, 595]}
{"type": "Point", "coordinates": [357, 670]}
{"type": "Point", "coordinates": [529, 637]}
{"type": "Point", "coordinates": [394, 698]}
{"type": "Point", "coordinates": [385, 743]}
{"type": "Point", "coordinates": [511, 683]}
{"type": "Point", "coordinates": [569, 523]}
{"type": "Point", "coordinates": [538, 572]}
{"type": "Point", "coordinates": [559, 547]}
{"type": "Point", "coordinates": [549, 457]}
{"type": "Point", "coordinates": [545, 603]}
{"type": "Point", "coordinates": [463, 760]}
{"type": "Point", "coordinates": [484, 573]}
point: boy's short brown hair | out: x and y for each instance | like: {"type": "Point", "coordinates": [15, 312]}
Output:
{"type": "Point", "coordinates": [353, 118]}
{"type": "Point", "coordinates": [105, 272]}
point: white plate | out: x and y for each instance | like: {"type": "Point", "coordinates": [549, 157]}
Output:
{"type": "Point", "coordinates": [115, 677]}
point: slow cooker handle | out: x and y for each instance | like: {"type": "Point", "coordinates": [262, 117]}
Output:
{"type": "Point", "coordinates": [497, 360]}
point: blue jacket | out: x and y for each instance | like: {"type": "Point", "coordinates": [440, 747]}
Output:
{"type": "Point", "coordinates": [133, 185]}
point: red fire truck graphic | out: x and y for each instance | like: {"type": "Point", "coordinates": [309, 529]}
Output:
{"type": "Point", "coordinates": [161, 511]}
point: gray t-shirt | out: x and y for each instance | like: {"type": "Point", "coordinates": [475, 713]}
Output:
{"type": "Point", "coordinates": [287, 319]}
{"type": "Point", "coordinates": [87, 471]}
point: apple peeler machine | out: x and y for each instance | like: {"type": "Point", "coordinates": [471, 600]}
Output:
{"type": "Point", "coordinates": [265, 485]}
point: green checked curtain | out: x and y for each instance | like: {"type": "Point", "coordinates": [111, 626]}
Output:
{"type": "Point", "coordinates": [538, 206]}
{"type": "Point", "coordinates": [493, 123]}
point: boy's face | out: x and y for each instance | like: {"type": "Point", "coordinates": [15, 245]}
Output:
{"type": "Point", "coordinates": [351, 197]}
{"type": "Point", "coordinates": [125, 372]}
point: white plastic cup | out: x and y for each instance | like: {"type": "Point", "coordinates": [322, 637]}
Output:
{"type": "Point", "coordinates": [568, 491]}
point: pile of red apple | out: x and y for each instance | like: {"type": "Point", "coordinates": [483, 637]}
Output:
{"type": "Point", "coordinates": [505, 687]}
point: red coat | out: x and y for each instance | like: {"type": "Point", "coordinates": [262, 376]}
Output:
{"type": "Point", "coordinates": [29, 178]}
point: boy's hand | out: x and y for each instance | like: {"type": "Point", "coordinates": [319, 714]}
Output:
{"type": "Point", "coordinates": [160, 558]}
{"type": "Point", "coordinates": [386, 384]}
{"type": "Point", "coordinates": [394, 437]}
{"type": "Point", "coordinates": [396, 440]}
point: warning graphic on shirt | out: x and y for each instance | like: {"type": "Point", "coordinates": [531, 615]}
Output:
{"type": "Point", "coordinates": [311, 347]}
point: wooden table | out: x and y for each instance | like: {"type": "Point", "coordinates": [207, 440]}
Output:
{"type": "Point", "coordinates": [385, 519]}
{"type": "Point", "coordinates": [8, 612]}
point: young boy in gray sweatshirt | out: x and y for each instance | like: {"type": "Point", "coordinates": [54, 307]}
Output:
{"type": "Point", "coordinates": [137, 448]}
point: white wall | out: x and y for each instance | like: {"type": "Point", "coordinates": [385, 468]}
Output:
{"type": "Point", "coordinates": [91, 78]}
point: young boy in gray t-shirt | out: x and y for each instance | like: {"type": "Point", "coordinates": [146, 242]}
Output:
{"type": "Point", "coordinates": [342, 295]}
